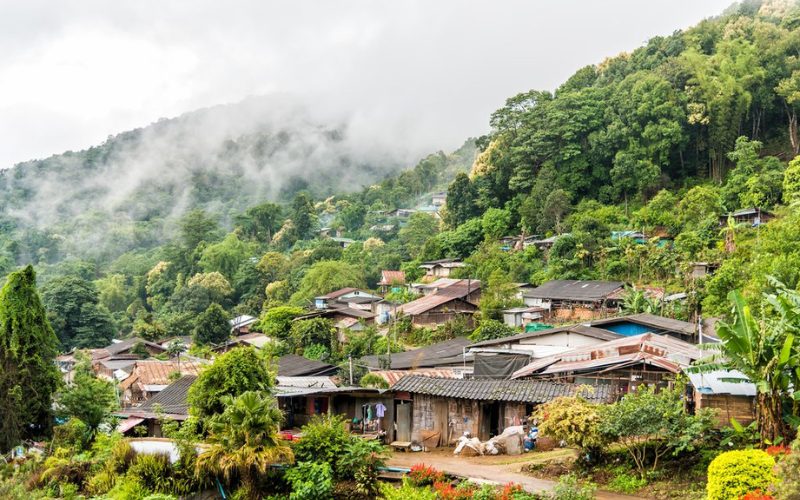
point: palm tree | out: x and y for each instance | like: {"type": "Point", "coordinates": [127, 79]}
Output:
{"type": "Point", "coordinates": [762, 351]}
{"type": "Point", "coordinates": [244, 441]}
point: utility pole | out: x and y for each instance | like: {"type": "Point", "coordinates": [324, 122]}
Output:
{"type": "Point", "coordinates": [350, 360]}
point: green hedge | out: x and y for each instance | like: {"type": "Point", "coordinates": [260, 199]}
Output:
{"type": "Point", "coordinates": [734, 474]}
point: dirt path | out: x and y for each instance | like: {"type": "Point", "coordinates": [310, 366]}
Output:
{"type": "Point", "coordinates": [499, 469]}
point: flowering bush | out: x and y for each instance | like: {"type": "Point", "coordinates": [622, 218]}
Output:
{"type": "Point", "coordinates": [446, 491]}
{"type": "Point", "coordinates": [424, 475]}
{"type": "Point", "coordinates": [509, 491]}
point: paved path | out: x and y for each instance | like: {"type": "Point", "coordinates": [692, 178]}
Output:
{"type": "Point", "coordinates": [472, 467]}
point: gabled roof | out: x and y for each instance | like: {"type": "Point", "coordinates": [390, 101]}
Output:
{"type": "Point", "coordinates": [392, 277]}
{"type": "Point", "coordinates": [337, 293]}
{"type": "Point", "coordinates": [172, 400]}
{"type": "Point", "coordinates": [659, 324]}
{"type": "Point", "coordinates": [580, 290]}
{"type": "Point", "coordinates": [393, 376]}
{"type": "Point", "coordinates": [522, 391]}
{"type": "Point", "coordinates": [586, 331]}
{"type": "Point", "coordinates": [649, 348]}
{"type": "Point", "coordinates": [444, 353]}
{"type": "Point", "coordinates": [127, 344]}
{"type": "Point", "coordinates": [442, 263]}
{"type": "Point", "coordinates": [292, 365]}
{"type": "Point", "coordinates": [460, 289]}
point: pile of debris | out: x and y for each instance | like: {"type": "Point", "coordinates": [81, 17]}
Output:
{"type": "Point", "coordinates": [508, 443]}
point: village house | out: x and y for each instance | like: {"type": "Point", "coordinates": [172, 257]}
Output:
{"type": "Point", "coordinates": [240, 325]}
{"type": "Point", "coordinates": [255, 339]}
{"type": "Point", "coordinates": [300, 398]}
{"type": "Point", "coordinates": [440, 268]}
{"type": "Point", "coordinates": [439, 199]}
{"type": "Point", "coordinates": [346, 297]}
{"type": "Point", "coordinates": [753, 216]}
{"type": "Point", "coordinates": [636, 324]}
{"type": "Point", "coordinates": [732, 400]}
{"type": "Point", "coordinates": [171, 403]}
{"type": "Point", "coordinates": [149, 377]}
{"type": "Point", "coordinates": [519, 317]}
{"type": "Point", "coordinates": [458, 299]}
{"type": "Point", "coordinates": [575, 299]}
{"type": "Point", "coordinates": [392, 281]}
{"type": "Point", "coordinates": [131, 345]}
{"type": "Point", "coordinates": [702, 269]}
{"type": "Point", "coordinates": [438, 411]}
{"type": "Point", "coordinates": [543, 244]}
{"type": "Point", "coordinates": [623, 364]}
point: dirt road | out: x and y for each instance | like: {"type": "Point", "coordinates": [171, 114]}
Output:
{"type": "Point", "coordinates": [499, 469]}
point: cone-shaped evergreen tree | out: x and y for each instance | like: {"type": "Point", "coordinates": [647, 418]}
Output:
{"type": "Point", "coordinates": [28, 374]}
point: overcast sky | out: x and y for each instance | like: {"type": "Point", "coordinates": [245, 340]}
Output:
{"type": "Point", "coordinates": [427, 72]}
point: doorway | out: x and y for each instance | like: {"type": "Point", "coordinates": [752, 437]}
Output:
{"type": "Point", "coordinates": [491, 420]}
{"type": "Point", "coordinates": [403, 419]}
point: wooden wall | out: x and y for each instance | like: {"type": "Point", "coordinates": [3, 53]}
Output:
{"type": "Point", "coordinates": [739, 407]}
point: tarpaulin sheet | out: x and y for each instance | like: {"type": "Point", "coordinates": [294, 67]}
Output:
{"type": "Point", "coordinates": [498, 366]}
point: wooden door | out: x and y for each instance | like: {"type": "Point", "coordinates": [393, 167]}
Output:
{"type": "Point", "coordinates": [440, 420]}
{"type": "Point", "coordinates": [403, 419]}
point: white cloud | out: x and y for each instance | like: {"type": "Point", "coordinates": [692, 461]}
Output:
{"type": "Point", "coordinates": [425, 73]}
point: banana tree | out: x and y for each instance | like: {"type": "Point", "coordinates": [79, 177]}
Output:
{"type": "Point", "coordinates": [763, 350]}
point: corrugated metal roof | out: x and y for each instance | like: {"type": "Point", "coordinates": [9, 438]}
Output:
{"type": "Point", "coordinates": [392, 277]}
{"type": "Point", "coordinates": [393, 376]}
{"type": "Point", "coordinates": [575, 290]}
{"type": "Point", "coordinates": [155, 372]}
{"type": "Point", "coordinates": [172, 400]}
{"type": "Point", "coordinates": [458, 290]}
{"type": "Point", "coordinates": [306, 382]}
{"type": "Point", "coordinates": [440, 354]}
{"type": "Point", "coordinates": [126, 344]}
{"type": "Point", "coordinates": [522, 391]}
{"type": "Point", "coordinates": [666, 352]}
{"type": "Point", "coordinates": [292, 365]}
{"type": "Point", "coordinates": [712, 383]}
{"type": "Point", "coordinates": [588, 331]}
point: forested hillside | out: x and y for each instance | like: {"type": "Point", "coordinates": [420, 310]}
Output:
{"type": "Point", "coordinates": [664, 140]}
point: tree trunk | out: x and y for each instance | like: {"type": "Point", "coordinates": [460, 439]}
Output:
{"type": "Point", "coordinates": [793, 131]}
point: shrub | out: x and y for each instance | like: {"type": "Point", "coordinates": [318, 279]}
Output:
{"type": "Point", "coordinates": [374, 381]}
{"type": "Point", "coordinates": [446, 491]}
{"type": "Point", "coordinates": [406, 491]}
{"type": "Point", "coordinates": [73, 434]}
{"type": "Point", "coordinates": [102, 482]}
{"type": "Point", "coordinates": [568, 488]}
{"type": "Point", "coordinates": [324, 441]}
{"type": "Point", "coordinates": [734, 474]}
{"type": "Point", "coordinates": [572, 419]}
{"type": "Point", "coordinates": [626, 483]}
{"type": "Point", "coordinates": [128, 488]}
{"type": "Point", "coordinates": [424, 475]}
{"type": "Point", "coordinates": [361, 460]}
{"type": "Point", "coordinates": [310, 481]}
{"type": "Point", "coordinates": [154, 472]}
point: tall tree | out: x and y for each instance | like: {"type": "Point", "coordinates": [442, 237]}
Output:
{"type": "Point", "coordinates": [212, 326]}
{"type": "Point", "coordinates": [197, 226]}
{"type": "Point", "coordinates": [75, 313]}
{"type": "Point", "coordinates": [28, 374]}
{"type": "Point", "coordinates": [303, 216]}
{"type": "Point", "coordinates": [87, 398]}
{"type": "Point", "coordinates": [460, 201]}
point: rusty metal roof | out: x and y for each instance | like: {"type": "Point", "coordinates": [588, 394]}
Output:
{"type": "Point", "coordinates": [155, 372]}
{"type": "Point", "coordinates": [649, 348]}
{"type": "Point", "coordinates": [588, 331]}
{"type": "Point", "coordinates": [392, 277]}
{"type": "Point", "coordinates": [394, 376]}
{"type": "Point", "coordinates": [522, 391]}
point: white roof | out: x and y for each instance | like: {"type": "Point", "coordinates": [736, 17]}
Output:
{"type": "Point", "coordinates": [243, 320]}
{"type": "Point", "coordinates": [711, 383]}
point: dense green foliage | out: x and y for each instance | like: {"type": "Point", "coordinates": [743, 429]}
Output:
{"type": "Point", "coordinates": [239, 370]}
{"type": "Point", "coordinates": [28, 374]}
{"type": "Point", "coordinates": [87, 398]}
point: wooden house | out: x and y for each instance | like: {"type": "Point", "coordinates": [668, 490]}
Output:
{"type": "Point", "coordinates": [440, 268]}
{"type": "Point", "coordinates": [460, 298]}
{"type": "Point", "coordinates": [752, 216]}
{"type": "Point", "coordinates": [437, 411]}
{"type": "Point", "coordinates": [575, 299]}
{"type": "Point", "coordinates": [731, 399]}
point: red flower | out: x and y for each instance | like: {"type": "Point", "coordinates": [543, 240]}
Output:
{"type": "Point", "coordinates": [423, 475]}
{"type": "Point", "coordinates": [774, 451]}
{"type": "Point", "coordinates": [757, 495]}
{"type": "Point", "coordinates": [509, 490]}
